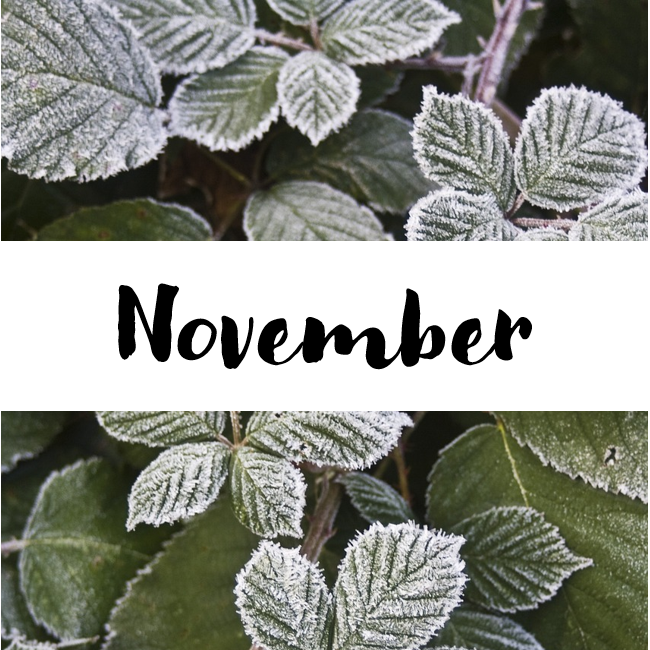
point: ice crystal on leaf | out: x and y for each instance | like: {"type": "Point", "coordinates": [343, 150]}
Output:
{"type": "Point", "coordinates": [227, 109]}
{"type": "Point", "coordinates": [181, 482]}
{"type": "Point", "coordinates": [542, 234]}
{"type": "Point", "coordinates": [79, 93]}
{"type": "Point", "coordinates": [346, 439]}
{"type": "Point", "coordinates": [283, 600]}
{"type": "Point", "coordinates": [375, 499]}
{"type": "Point", "coordinates": [453, 215]}
{"type": "Point", "coordinates": [317, 94]}
{"type": "Point", "coordinates": [468, 628]}
{"type": "Point", "coordinates": [620, 217]}
{"type": "Point", "coordinates": [192, 35]}
{"type": "Point", "coordinates": [396, 586]}
{"type": "Point", "coordinates": [163, 428]}
{"type": "Point", "coordinates": [304, 12]}
{"type": "Point", "coordinates": [309, 211]}
{"type": "Point", "coordinates": [461, 144]}
{"type": "Point", "coordinates": [576, 147]}
{"type": "Point", "coordinates": [268, 493]}
{"type": "Point", "coordinates": [515, 559]}
{"type": "Point", "coordinates": [376, 31]}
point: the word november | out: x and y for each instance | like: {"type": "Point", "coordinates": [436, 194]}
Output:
{"type": "Point", "coordinates": [274, 334]}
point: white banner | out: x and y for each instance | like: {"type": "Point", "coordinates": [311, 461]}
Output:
{"type": "Point", "coordinates": [587, 346]}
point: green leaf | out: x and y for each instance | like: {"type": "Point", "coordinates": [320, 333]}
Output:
{"type": "Point", "coordinates": [283, 600]}
{"type": "Point", "coordinates": [576, 147]}
{"type": "Point", "coordinates": [163, 428]}
{"type": "Point", "coordinates": [376, 500]}
{"type": "Point", "coordinates": [304, 12]}
{"type": "Point", "coordinates": [607, 449]}
{"type": "Point", "coordinates": [461, 144]}
{"type": "Point", "coordinates": [371, 159]}
{"type": "Point", "coordinates": [397, 585]}
{"type": "Point", "coordinates": [79, 93]}
{"type": "Point", "coordinates": [16, 619]}
{"type": "Point", "coordinates": [346, 439]}
{"type": "Point", "coordinates": [192, 35]}
{"type": "Point", "coordinates": [620, 217]}
{"type": "Point", "coordinates": [317, 94]}
{"type": "Point", "coordinates": [184, 598]}
{"type": "Point", "coordinates": [77, 554]}
{"type": "Point", "coordinates": [473, 629]}
{"type": "Point", "coordinates": [515, 559]}
{"type": "Point", "coordinates": [478, 21]}
{"type": "Point", "coordinates": [376, 31]}
{"type": "Point", "coordinates": [227, 109]}
{"type": "Point", "coordinates": [140, 220]}
{"type": "Point", "coordinates": [268, 493]}
{"type": "Point", "coordinates": [452, 215]}
{"type": "Point", "coordinates": [27, 433]}
{"type": "Point", "coordinates": [308, 211]}
{"type": "Point", "coordinates": [601, 607]}
{"type": "Point", "coordinates": [183, 481]}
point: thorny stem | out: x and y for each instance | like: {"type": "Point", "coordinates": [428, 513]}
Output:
{"type": "Point", "coordinates": [315, 34]}
{"type": "Point", "coordinates": [383, 466]}
{"type": "Point", "coordinates": [402, 472]}
{"type": "Point", "coordinates": [229, 169]}
{"type": "Point", "coordinates": [529, 222]}
{"type": "Point", "coordinates": [519, 201]}
{"type": "Point", "coordinates": [496, 49]}
{"type": "Point", "coordinates": [321, 527]}
{"type": "Point", "coordinates": [437, 61]}
{"type": "Point", "coordinates": [236, 427]}
{"type": "Point", "coordinates": [281, 39]}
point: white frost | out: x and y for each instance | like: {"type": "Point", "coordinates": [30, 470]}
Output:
{"type": "Point", "coordinates": [317, 94]}
{"type": "Point", "coordinates": [576, 147]}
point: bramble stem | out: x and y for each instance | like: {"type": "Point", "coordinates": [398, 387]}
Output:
{"type": "Point", "coordinates": [436, 61]}
{"type": "Point", "coordinates": [321, 527]}
{"type": "Point", "coordinates": [236, 427]}
{"type": "Point", "coordinates": [281, 39]}
{"type": "Point", "coordinates": [12, 546]}
{"type": "Point", "coordinates": [519, 201]}
{"type": "Point", "coordinates": [530, 222]}
{"type": "Point", "coordinates": [496, 49]}
{"type": "Point", "coordinates": [402, 472]}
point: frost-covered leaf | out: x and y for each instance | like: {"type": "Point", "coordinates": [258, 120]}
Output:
{"type": "Point", "coordinates": [396, 587]}
{"type": "Point", "coordinates": [230, 107]}
{"type": "Point", "coordinates": [461, 144]}
{"type": "Point", "coordinates": [317, 94]}
{"type": "Point", "coordinates": [192, 35]}
{"type": "Point", "coordinates": [309, 211]}
{"type": "Point", "coordinates": [79, 93]}
{"type": "Point", "coordinates": [542, 234]}
{"type": "Point", "coordinates": [376, 31]}
{"type": "Point", "coordinates": [163, 428]}
{"type": "Point", "coordinates": [283, 600]}
{"type": "Point", "coordinates": [268, 493]}
{"type": "Point", "coordinates": [28, 644]}
{"type": "Point", "coordinates": [515, 559]}
{"type": "Point", "coordinates": [346, 439]}
{"type": "Point", "coordinates": [26, 433]}
{"type": "Point", "coordinates": [453, 215]}
{"type": "Point", "coordinates": [480, 631]}
{"type": "Point", "coordinates": [303, 12]}
{"type": "Point", "coordinates": [184, 598]}
{"type": "Point", "coordinates": [576, 147]}
{"type": "Point", "coordinates": [371, 159]}
{"type": "Point", "coordinates": [78, 554]}
{"type": "Point", "coordinates": [140, 220]}
{"type": "Point", "coordinates": [601, 607]}
{"type": "Point", "coordinates": [16, 619]}
{"type": "Point", "coordinates": [607, 449]}
{"type": "Point", "coordinates": [621, 217]}
{"type": "Point", "coordinates": [376, 500]}
{"type": "Point", "coordinates": [183, 481]}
